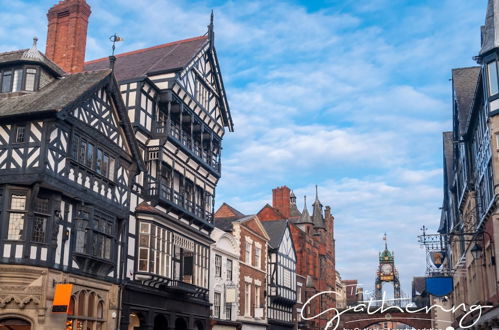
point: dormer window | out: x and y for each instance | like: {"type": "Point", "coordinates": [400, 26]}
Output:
{"type": "Point", "coordinates": [492, 78]}
{"type": "Point", "coordinates": [18, 79]}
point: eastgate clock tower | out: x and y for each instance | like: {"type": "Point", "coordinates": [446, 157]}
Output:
{"type": "Point", "coordinates": [387, 273]}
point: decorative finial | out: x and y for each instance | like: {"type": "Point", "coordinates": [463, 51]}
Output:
{"type": "Point", "coordinates": [305, 201]}
{"type": "Point", "coordinates": [35, 41]}
{"type": "Point", "coordinates": [386, 243]}
{"type": "Point", "coordinates": [316, 193]}
{"type": "Point", "coordinates": [211, 32]}
{"type": "Point", "coordinates": [32, 53]}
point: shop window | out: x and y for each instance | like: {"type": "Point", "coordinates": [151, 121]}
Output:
{"type": "Point", "coordinates": [90, 311]}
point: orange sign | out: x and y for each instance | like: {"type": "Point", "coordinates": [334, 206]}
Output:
{"type": "Point", "coordinates": [62, 296]}
{"type": "Point", "coordinates": [386, 278]}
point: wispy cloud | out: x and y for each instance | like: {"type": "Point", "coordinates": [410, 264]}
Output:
{"type": "Point", "coordinates": [350, 96]}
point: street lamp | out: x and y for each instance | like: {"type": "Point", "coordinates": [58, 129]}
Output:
{"type": "Point", "coordinates": [476, 251]}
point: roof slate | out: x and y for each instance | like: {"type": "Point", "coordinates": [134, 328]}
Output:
{"type": "Point", "coordinates": [139, 63]}
{"type": "Point", "coordinates": [275, 229]}
{"type": "Point", "coordinates": [53, 97]}
{"type": "Point", "coordinates": [464, 82]}
{"type": "Point", "coordinates": [490, 37]}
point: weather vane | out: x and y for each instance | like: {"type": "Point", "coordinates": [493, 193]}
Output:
{"type": "Point", "coordinates": [114, 39]}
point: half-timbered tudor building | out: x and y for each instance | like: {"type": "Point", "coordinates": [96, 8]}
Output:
{"type": "Point", "coordinates": [313, 236]}
{"type": "Point", "coordinates": [176, 102]}
{"type": "Point", "coordinates": [281, 276]}
{"type": "Point", "coordinates": [107, 179]}
{"type": "Point", "coordinates": [253, 241]}
{"type": "Point", "coordinates": [224, 280]}
{"type": "Point", "coordinates": [471, 166]}
{"type": "Point", "coordinates": [67, 160]}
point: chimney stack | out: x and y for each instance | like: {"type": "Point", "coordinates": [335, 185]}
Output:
{"type": "Point", "coordinates": [281, 200]}
{"type": "Point", "coordinates": [67, 34]}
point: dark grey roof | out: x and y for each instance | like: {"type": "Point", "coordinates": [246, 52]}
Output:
{"type": "Point", "coordinates": [56, 96]}
{"type": "Point", "coordinates": [464, 82]}
{"type": "Point", "coordinates": [490, 37]}
{"type": "Point", "coordinates": [139, 63]}
{"type": "Point", "coordinates": [275, 229]}
{"type": "Point", "coordinates": [294, 213]}
{"type": "Point", "coordinates": [30, 55]}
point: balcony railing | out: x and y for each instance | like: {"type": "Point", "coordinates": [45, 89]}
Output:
{"type": "Point", "coordinates": [165, 283]}
{"type": "Point", "coordinates": [174, 131]}
{"type": "Point", "coordinates": [166, 193]}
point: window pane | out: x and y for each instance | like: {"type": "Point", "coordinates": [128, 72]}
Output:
{"type": "Point", "coordinates": [18, 76]}
{"type": "Point", "coordinates": [98, 161]}
{"type": "Point", "coordinates": [38, 234]}
{"type": "Point", "coordinates": [18, 202]}
{"type": "Point", "coordinates": [30, 79]}
{"type": "Point", "coordinates": [7, 79]}
{"type": "Point", "coordinates": [493, 85]}
{"type": "Point", "coordinates": [105, 164]}
{"type": "Point", "coordinates": [90, 156]}
{"type": "Point", "coordinates": [16, 226]}
{"type": "Point", "coordinates": [111, 168]}
{"type": "Point", "coordinates": [83, 151]}
{"type": "Point", "coordinates": [20, 134]}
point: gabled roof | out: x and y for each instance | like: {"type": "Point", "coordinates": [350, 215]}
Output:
{"type": "Point", "coordinates": [490, 33]}
{"type": "Point", "coordinates": [225, 210]}
{"type": "Point", "coordinates": [173, 56]}
{"type": "Point", "coordinates": [464, 82]}
{"type": "Point", "coordinates": [270, 213]}
{"type": "Point", "coordinates": [30, 55]}
{"type": "Point", "coordinates": [54, 97]}
{"type": "Point", "coordinates": [275, 229]}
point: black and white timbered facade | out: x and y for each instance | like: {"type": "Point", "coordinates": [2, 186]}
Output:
{"type": "Point", "coordinates": [68, 158]}
{"type": "Point", "coordinates": [176, 102]}
{"type": "Point", "coordinates": [281, 275]}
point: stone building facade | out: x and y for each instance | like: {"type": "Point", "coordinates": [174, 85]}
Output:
{"type": "Point", "coordinates": [253, 242]}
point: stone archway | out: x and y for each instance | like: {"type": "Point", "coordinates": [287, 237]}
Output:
{"type": "Point", "coordinates": [14, 323]}
{"type": "Point", "coordinates": [199, 325]}
{"type": "Point", "coordinates": [180, 324]}
{"type": "Point", "coordinates": [160, 323]}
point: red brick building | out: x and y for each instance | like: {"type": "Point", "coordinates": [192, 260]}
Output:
{"type": "Point", "coordinates": [313, 237]}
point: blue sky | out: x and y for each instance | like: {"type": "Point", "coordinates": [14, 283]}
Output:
{"type": "Point", "coordinates": [350, 95]}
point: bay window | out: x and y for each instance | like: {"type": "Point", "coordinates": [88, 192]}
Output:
{"type": "Point", "coordinates": [93, 157]}
{"type": "Point", "coordinates": [94, 233]}
{"type": "Point", "coordinates": [168, 254]}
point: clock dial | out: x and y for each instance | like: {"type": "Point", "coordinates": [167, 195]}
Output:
{"type": "Point", "coordinates": [386, 269]}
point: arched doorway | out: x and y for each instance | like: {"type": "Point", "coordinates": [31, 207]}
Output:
{"type": "Point", "coordinates": [14, 324]}
{"type": "Point", "coordinates": [180, 324]}
{"type": "Point", "coordinates": [199, 325]}
{"type": "Point", "coordinates": [160, 323]}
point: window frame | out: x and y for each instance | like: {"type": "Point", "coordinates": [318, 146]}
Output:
{"type": "Point", "coordinates": [218, 265]}
{"type": "Point", "coordinates": [10, 211]}
{"type": "Point", "coordinates": [10, 71]}
{"type": "Point", "coordinates": [230, 268]}
{"type": "Point", "coordinates": [489, 78]}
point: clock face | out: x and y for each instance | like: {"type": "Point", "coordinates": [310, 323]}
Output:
{"type": "Point", "coordinates": [386, 269]}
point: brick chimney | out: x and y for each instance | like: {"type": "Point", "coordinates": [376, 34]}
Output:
{"type": "Point", "coordinates": [281, 200]}
{"type": "Point", "coordinates": [67, 34]}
